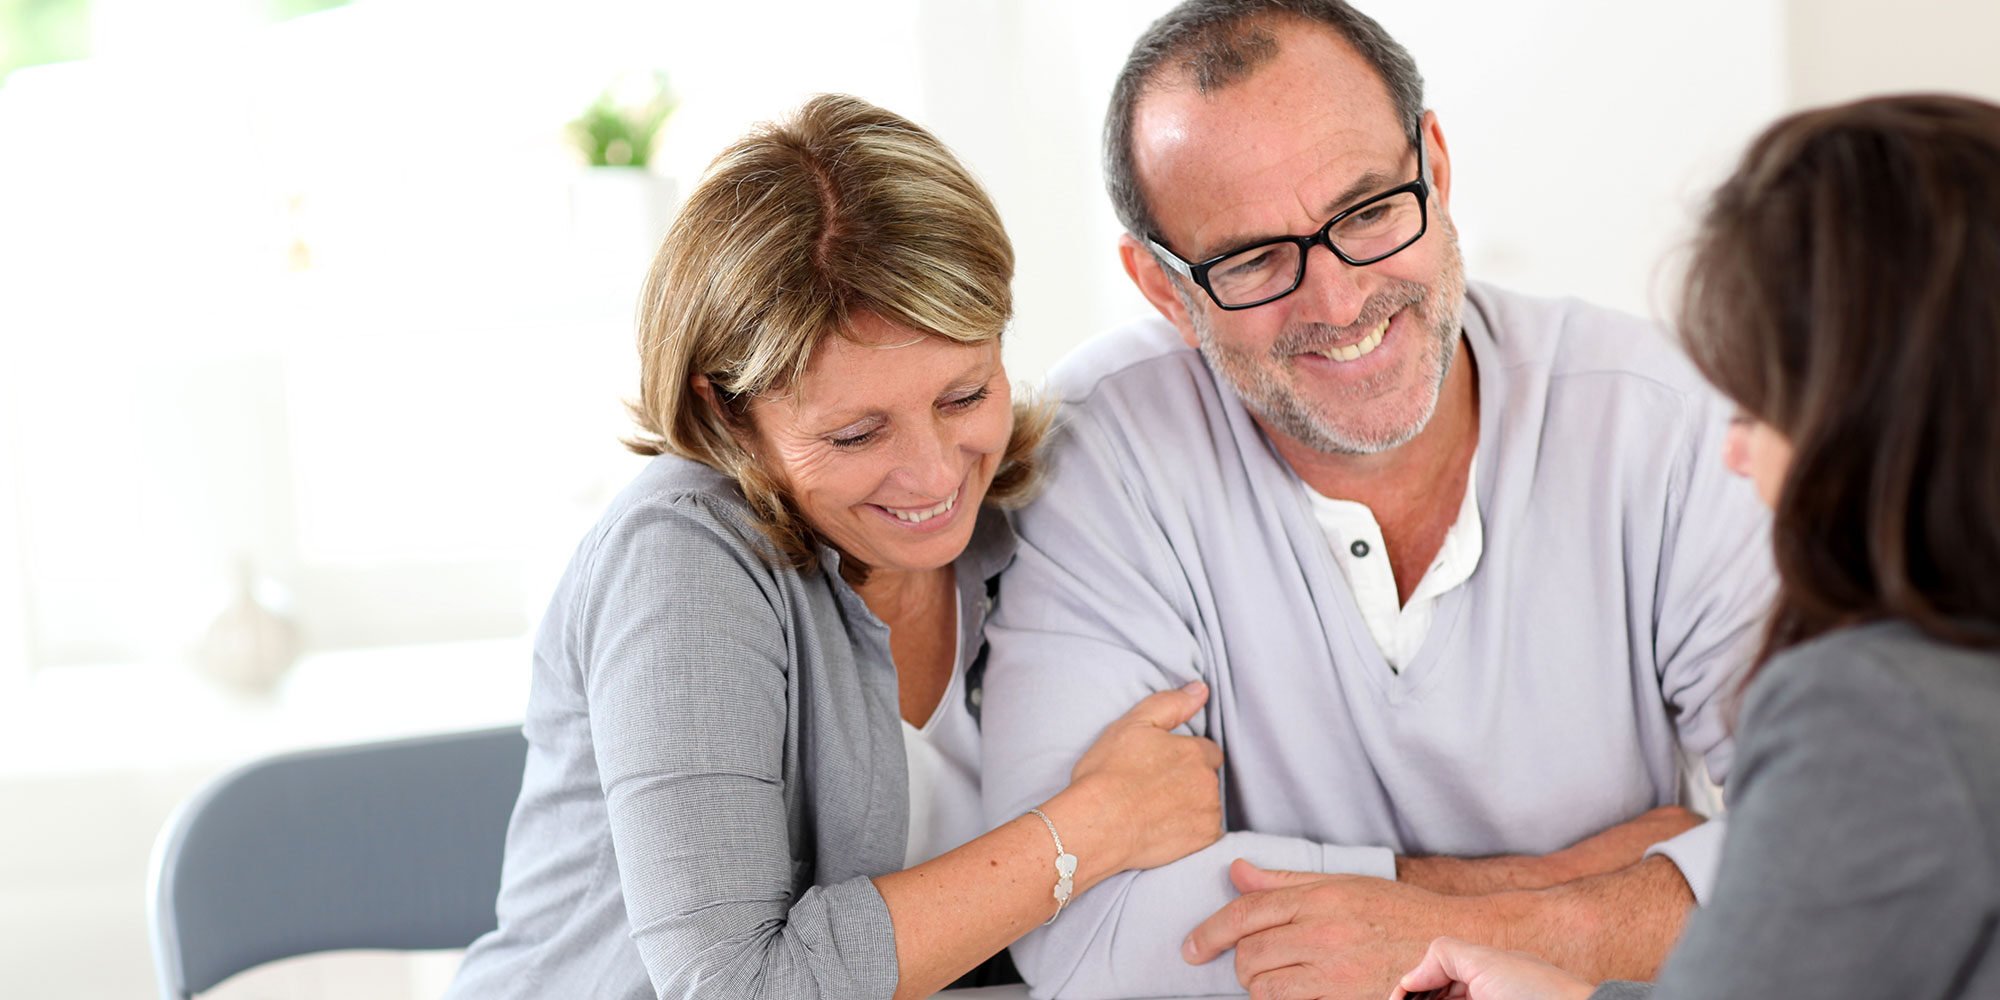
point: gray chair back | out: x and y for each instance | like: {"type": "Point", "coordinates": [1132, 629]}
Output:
{"type": "Point", "coordinates": [391, 845]}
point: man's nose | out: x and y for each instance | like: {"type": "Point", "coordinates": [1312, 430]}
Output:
{"type": "Point", "coordinates": [1332, 291]}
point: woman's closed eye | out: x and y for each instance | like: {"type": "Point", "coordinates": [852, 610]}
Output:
{"type": "Point", "coordinates": [854, 437]}
{"type": "Point", "coordinates": [862, 436]}
{"type": "Point", "coordinates": [967, 401]}
{"type": "Point", "coordinates": [852, 440]}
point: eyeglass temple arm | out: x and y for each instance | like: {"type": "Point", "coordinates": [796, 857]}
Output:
{"type": "Point", "coordinates": [1168, 258]}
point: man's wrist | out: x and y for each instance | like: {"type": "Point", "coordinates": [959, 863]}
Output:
{"type": "Point", "coordinates": [1493, 919]}
{"type": "Point", "coordinates": [1567, 865]}
{"type": "Point", "coordinates": [1477, 876]}
{"type": "Point", "coordinates": [1613, 926]}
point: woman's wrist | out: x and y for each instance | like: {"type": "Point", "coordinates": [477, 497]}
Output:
{"type": "Point", "coordinates": [1090, 831]}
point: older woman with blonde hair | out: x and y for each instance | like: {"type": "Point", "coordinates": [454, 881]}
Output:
{"type": "Point", "coordinates": [753, 746]}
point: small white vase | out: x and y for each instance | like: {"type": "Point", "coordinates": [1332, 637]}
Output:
{"type": "Point", "coordinates": [619, 214]}
{"type": "Point", "coordinates": [248, 647]}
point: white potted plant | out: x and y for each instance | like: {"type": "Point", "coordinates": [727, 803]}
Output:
{"type": "Point", "coordinates": [619, 208]}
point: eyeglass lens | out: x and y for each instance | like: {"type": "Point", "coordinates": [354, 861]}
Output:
{"type": "Point", "coordinates": [1373, 231]}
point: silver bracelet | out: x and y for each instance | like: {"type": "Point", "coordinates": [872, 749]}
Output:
{"type": "Point", "coordinates": [1065, 867]}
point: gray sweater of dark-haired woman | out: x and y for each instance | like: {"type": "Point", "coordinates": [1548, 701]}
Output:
{"type": "Point", "coordinates": [1863, 854]}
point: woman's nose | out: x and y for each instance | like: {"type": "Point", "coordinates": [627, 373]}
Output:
{"type": "Point", "coordinates": [1736, 448]}
{"type": "Point", "coordinates": [928, 462]}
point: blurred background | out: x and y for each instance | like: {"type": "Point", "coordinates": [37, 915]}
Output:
{"type": "Point", "coordinates": [315, 323]}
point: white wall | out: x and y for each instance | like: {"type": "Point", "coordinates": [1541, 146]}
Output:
{"type": "Point", "coordinates": [1581, 132]}
{"type": "Point", "coordinates": [167, 394]}
{"type": "Point", "coordinates": [1837, 50]}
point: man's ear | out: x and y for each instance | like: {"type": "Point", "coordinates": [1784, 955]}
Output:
{"type": "Point", "coordinates": [1156, 285]}
{"type": "Point", "coordinates": [1438, 158]}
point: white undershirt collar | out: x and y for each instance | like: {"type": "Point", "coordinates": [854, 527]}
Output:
{"type": "Point", "coordinates": [1356, 537]}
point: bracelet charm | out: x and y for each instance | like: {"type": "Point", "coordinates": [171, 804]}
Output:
{"type": "Point", "coordinates": [1065, 866]}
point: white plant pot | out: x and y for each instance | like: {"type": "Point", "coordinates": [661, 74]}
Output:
{"type": "Point", "coordinates": [618, 216]}
{"type": "Point", "coordinates": [249, 646]}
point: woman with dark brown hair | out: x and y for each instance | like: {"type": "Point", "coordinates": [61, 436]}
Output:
{"type": "Point", "coordinates": [1845, 292]}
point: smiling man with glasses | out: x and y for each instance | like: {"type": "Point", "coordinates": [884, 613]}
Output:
{"type": "Point", "coordinates": [1460, 567]}
{"type": "Point", "coordinates": [1268, 270]}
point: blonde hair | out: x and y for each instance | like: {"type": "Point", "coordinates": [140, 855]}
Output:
{"type": "Point", "coordinates": [841, 209]}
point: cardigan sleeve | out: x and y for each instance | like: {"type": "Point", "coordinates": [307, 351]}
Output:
{"type": "Point", "coordinates": [685, 665]}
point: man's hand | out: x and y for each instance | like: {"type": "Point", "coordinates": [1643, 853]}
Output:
{"type": "Point", "coordinates": [1612, 850]}
{"type": "Point", "coordinates": [1306, 934]}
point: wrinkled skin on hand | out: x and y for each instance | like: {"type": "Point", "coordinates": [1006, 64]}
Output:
{"type": "Point", "coordinates": [1300, 934]}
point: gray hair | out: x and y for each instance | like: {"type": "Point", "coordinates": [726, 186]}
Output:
{"type": "Point", "coordinates": [1216, 43]}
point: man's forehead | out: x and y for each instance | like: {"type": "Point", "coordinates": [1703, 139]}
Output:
{"type": "Point", "coordinates": [1270, 149]}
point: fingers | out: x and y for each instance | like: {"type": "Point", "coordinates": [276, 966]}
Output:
{"type": "Point", "coordinates": [1240, 918]}
{"type": "Point", "coordinates": [1211, 754]}
{"type": "Point", "coordinates": [1430, 973]}
{"type": "Point", "coordinates": [1450, 960]}
{"type": "Point", "coordinates": [1290, 983]}
{"type": "Point", "coordinates": [1168, 709]}
{"type": "Point", "coordinates": [1249, 878]}
{"type": "Point", "coordinates": [1277, 948]}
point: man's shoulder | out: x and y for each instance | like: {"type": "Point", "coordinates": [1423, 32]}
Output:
{"type": "Point", "coordinates": [1139, 397]}
{"type": "Point", "coordinates": [1135, 358]}
{"type": "Point", "coordinates": [1568, 338]}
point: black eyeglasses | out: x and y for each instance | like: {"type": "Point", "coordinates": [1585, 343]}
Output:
{"type": "Point", "coordinates": [1269, 270]}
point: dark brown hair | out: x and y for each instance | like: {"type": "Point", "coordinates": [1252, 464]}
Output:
{"type": "Point", "coordinates": [1845, 290]}
{"type": "Point", "coordinates": [1215, 43]}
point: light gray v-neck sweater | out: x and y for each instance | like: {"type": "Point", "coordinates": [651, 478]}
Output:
{"type": "Point", "coordinates": [1624, 576]}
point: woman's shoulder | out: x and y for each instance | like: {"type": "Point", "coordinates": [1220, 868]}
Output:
{"type": "Point", "coordinates": [675, 501]}
{"type": "Point", "coordinates": [679, 528]}
{"type": "Point", "coordinates": [1877, 663]}
{"type": "Point", "coordinates": [676, 558]}
{"type": "Point", "coordinates": [669, 481]}
{"type": "Point", "coordinates": [1893, 686]}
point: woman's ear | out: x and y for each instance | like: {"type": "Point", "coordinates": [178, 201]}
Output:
{"type": "Point", "coordinates": [738, 427]}
{"type": "Point", "coordinates": [713, 398]}
{"type": "Point", "coordinates": [706, 390]}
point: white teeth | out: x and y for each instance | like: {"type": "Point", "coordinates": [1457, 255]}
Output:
{"type": "Point", "coordinates": [1361, 348]}
{"type": "Point", "coordinates": [920, 516]}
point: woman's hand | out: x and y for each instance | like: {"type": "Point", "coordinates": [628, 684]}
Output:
{"type": "Point", "coordinates": [1465, 971]}
{"type": "Point", "coordinates": [1140, 796]}
{"type": "Point", "coordinates": [1156, 794]}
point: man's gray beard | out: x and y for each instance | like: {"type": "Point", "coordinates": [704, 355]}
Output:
{"type": "Point", "coordinates": [1307, 421]}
